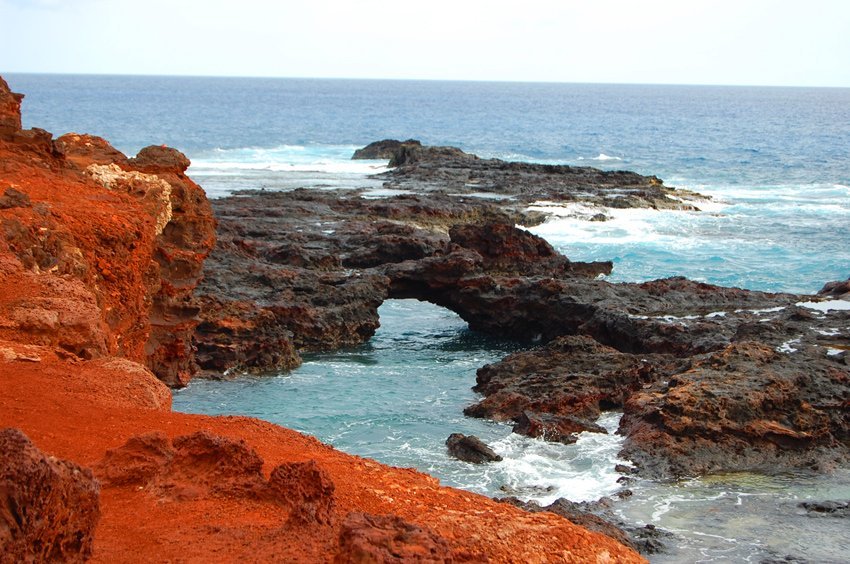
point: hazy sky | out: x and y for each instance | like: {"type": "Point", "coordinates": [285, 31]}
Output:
{"type": "Point", "coordinates": [780, 42]}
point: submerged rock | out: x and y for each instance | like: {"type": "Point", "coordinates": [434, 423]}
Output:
{"type": "Point", "coordinates": [470, 449]}
{"type": "Point", "coordinates": [555, 428]}
{"type": "Point", "coordinates": [826, 508]}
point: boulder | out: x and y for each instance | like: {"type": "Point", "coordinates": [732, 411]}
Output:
{"type": "Point", "coordinates": [470, 449]}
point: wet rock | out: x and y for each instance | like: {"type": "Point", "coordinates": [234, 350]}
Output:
{"type": "Point", "coordinates": [555, 428]}
{"type": "Point", "coordinates": [598, 516]}
{"type": "Point", "coordinates": [424, 169]}
{"type": "Point", "coordinates": [388, 538]}
{"type": "Point", "coordinates": [826, 508]}
{"type": "Point", "coordinates": [239, 336]}
{"type": "Point", "coordinates": [49, 508]}
{"type": "Point", "coordinates": [470, 449]}
{"type": "Point", "coordinates": [837, 289]}
{"type": "Point", "coordinates": [306, 488]}
{"type": "Point", "coordinates": [508, 250]}
{"type": "Point", "coordinates": [571, 376]}
{"type": "Point", "coordinates": [384, 149]}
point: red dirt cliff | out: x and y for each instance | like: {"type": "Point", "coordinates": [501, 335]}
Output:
{"type": "Point", "coordinates": [99, 254]}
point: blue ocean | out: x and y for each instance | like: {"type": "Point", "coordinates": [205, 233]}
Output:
{"type": "Point", "coordinates": [773, 160]}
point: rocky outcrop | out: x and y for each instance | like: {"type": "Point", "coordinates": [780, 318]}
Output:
{"type": "Point", "coordinates": [772, 410]}
{"type": "Point", "coordinates": [470, 449]}
{"type": "Point", "coordinates": [388, 538]}
{"type": "Point", "coordinates": [49, 508]}
{"type": "Point", "coordinates": [571, 378]}
{"type": "Point", "coordinates": [111, 247]}
{"type": "Point", "coordinates": [838, 289]}
{"type": "Point", "coordinates": [10, 108]}
{"type": "Point", "coordinates": [771, 399]}
{"type": "Point", "coordinates": [306, 270]}
{"type": "Point", "coordinates": [425, 169]}
{"type": "Point", "coordinates": [203, 465]}
{"type": "Point", "coordinates": [384, 149]}
{"type": "Point", "coordinates": [826, 508]}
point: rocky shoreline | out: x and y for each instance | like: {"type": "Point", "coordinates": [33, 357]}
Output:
{"type": "Point", "coordinates": [710, 379]}
{"type": "Point", "coordinates": [119, 272]}
{"type": "Point", "coordinates": [100, 256]}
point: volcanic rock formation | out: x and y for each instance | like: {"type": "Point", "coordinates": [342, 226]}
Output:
{"type": "Point", "coordinates": [98, 258]}
{"type": "Point", "coordinates": [306, 270]}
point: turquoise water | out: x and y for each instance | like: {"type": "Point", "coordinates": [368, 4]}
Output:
{"type": "Point", "coordinates": [774, 161]}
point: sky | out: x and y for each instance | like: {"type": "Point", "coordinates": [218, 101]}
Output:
{"type": "Point", "coordinates": [746, 42]}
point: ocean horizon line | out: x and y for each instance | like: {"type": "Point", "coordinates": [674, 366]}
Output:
{"type": "Point", "coordinates": [426, 80]}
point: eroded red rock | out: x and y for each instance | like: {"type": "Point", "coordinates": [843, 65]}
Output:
{"type": "Point", "coordinates": [306, 488]}
{"type": "Point", "coordinates": [388, 538]}
{"type": "Point", "coordinates": [10, 107]}
{"type": "Point", "coordinates": [49, 508]}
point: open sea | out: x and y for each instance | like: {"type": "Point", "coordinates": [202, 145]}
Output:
{"type": "Point", "coordinates": [776, 162]}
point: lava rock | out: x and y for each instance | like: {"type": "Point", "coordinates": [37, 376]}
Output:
{"type": "Point", "coordinates": [470, 449]}
{"type": "Point", "coordinates": [384, 149]}
{"type": "Point", "coordinates": [827, 508]}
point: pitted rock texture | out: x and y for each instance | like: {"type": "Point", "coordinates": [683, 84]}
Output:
{"type": "Point", "coordinates": [49, 508]}
{"type": "Point", "coordinates": [388, 538]}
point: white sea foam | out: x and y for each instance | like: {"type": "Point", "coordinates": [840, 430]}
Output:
{"type": "Point", "coordinates": [285, 158]}
{"type": "Point", "coordinates": [788, 346]}
{"type": "Point", "coordinates": [826, 306]}
{"type": "Point", "coordinates": [208, 168]}
{"type": "Point", "coordinates": [601, 157]}
{"type": "Point", "coordinates": [542, 471]}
